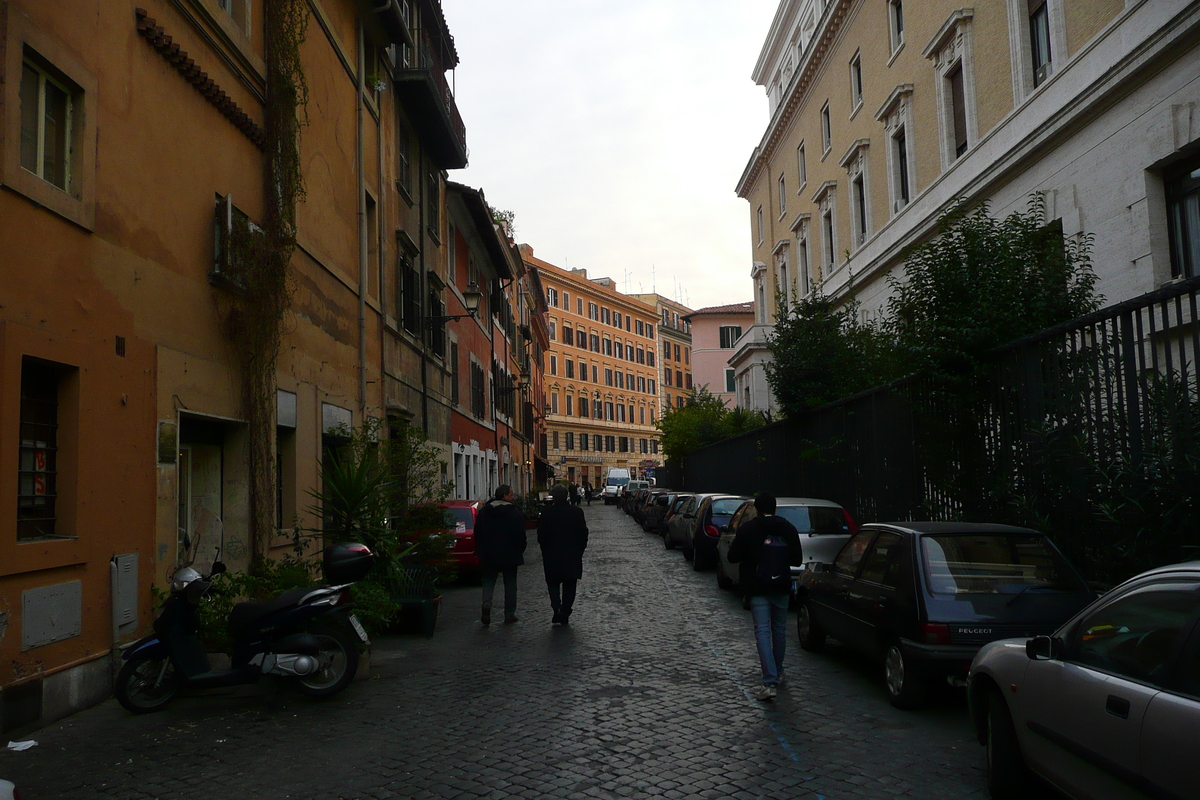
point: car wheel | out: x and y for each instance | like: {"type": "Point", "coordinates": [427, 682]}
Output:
{"type": "Point", "coordinates": [700, 560]}
{"type": "Point", "coordinates": [1007, 775]}
{"type": "Point", "coordinates": [689, 552]}
{"type": "Point", "coordinates": [668, 542]}
{"type": "Point", "coordinates": [812, 635]}
{"type": "Point", "coordinates": [905, 685]}
{"type": "Point", "coordinates": [723, 580]}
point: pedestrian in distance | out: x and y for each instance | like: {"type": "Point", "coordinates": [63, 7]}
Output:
{"type": "Point", "coordinates": [562, 533]}
{"type": "Point", "coordinates": [587, 492]}
{"type": "Point", "coordinates": [574, 493]}
{"type": "Point", "coordinates": [500, 542]}
{"type": "Point", "coordinates": [766, 548]}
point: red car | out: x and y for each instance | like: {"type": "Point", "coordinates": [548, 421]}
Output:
{"type": "Point", "coordinates": [460, 519]}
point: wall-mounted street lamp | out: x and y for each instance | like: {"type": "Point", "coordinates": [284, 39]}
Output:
{"type": "Point", "coordinates": [516, 387]}
{"type": "Point", "coordinates": [472, 297]}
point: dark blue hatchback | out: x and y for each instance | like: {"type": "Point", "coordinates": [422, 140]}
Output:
{"type": "Point", "coordinates": [923, 597]}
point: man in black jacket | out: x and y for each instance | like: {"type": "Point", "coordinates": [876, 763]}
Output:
{"type": "Point", "coordinates": [500, 542]}
{"type": "Point", "coordinates": [767, 547]}
{"type": "Point", "coordinates": [563, 536]}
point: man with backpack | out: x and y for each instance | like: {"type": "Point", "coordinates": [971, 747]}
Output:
{"type": "Point", "coordinates": [767, 547]}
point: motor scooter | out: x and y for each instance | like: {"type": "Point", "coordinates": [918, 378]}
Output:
{"type": "Point", "coordinates": [308, 635]}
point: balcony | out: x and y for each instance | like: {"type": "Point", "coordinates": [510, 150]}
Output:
{"type": "Point", "coordinates": [422, 89]}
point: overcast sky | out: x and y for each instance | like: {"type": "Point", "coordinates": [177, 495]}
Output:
{"type": "Point", "coordinates": [616, 131]}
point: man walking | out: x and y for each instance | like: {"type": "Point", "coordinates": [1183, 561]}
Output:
{"type": "Point", "coordinates": [767, 547]}
{"type": "Point", "coordinates": [587, 492]}
{"type": "Point", "coordinates": [574, 493]}
{"type": "Point", "coordinates": [500, 542]}
{"type": "Point", "coordinates": [563, 536]}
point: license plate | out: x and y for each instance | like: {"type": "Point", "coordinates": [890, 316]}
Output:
{"type": "Point", "coordinates": [358, 628]}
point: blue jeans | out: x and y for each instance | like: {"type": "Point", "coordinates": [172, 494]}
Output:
{"type": "Point", "coordinates": [489, 577]}
{"type": "Point", "coordinates": [770, 632]}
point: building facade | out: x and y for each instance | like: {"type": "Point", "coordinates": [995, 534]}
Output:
{"type": "Point", "coordinates": [675, 349]}
{"type": "Point", "coordinates": [601, 376]}
{"type": "Point", "coordinates": [124, 436]}
{"type": "Point", "coordinates": [884, 115]}
{"type": "Point", "coordinates": [716, 331]}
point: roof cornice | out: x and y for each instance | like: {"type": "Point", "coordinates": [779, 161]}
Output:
{"type": "Point", "coordinates": [829, 27]}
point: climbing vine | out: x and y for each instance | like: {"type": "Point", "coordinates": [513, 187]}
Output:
{"type": "Point", "coordinates": [256, 313]}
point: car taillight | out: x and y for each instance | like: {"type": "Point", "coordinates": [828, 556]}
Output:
{"type": "Point", "coordinates": [850, 522]}
{"type": "Point", "coordinates": [711, 530]}
{"type": "Point", "coordinates": [935, 633]}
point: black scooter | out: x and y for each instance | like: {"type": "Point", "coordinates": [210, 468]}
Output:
{"type": "Point", "coordinates": [308, 635]}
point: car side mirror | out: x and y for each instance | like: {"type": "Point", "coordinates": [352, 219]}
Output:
{"type": "Point", "coordinates": [1044, 648]}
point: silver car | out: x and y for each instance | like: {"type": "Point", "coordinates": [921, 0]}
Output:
{"type": "Point", "coordinates": [824, 527]}
{"type": "Point", "coordinates": [1106, 708]}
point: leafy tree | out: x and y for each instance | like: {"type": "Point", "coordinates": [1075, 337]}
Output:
{"type": "Point", "coordinates": [983, 282]}
{"type": "Point", "coordinates": [701, 421]}
{"type": "Point", "coordinates": [823, 353]}
{"type": "Point", "coordinates": [506, 219]}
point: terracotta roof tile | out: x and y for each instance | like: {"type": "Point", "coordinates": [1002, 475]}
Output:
{"type": "Point", "coordinates": [733, 308]}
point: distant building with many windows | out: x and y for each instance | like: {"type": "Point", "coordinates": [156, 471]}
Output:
{"type": "Point", "coordinates": [600, 376]}
{"type": "Point", "coordinates": [715, 334]}
{"type": "Point", "coordinates": [675, 349]}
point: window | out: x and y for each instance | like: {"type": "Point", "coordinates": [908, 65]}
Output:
{"type": "Point", "coordinates": [432, 209]}
{"type": "Point", "coordinates": [618, 350]}
{"type": "Point", "coordinates": [37, 473]}
{"type": "Point", "coordinates": [617, 319]}
{"type": "Point", "coordinates": [620, 412]}
{"type": "Point", "coordinates": [896, 23]}
{"type": "Point", "coordinates": [1135, 636]}
{"type": "Point", "coordinates": [609, 411]}
{"type": "Point", "coordinates": [570, 441]}
{"type": "Point", "coordinates": [676, 352]}
{"type": "Point", "coordinates": [620, 376]}
{"type": "Point", "coordinates": [958, 110]}
{"type": "Point", "coordinates": [666, 351]}
{"type": "Point", "coordinates": [569, 366]}
{"type": "Point", "coordinates": [554, 440]}
{"type": "Point", "coordinates": [47, 121]}
{"type": "Point", "coordinates": [410, 295]}
{"type": "Point", "coordinates": [552, 297]}
{"type": "Point", "coordinates": [454, 374]}
{"type": "Point", "coordinates": [566, 301]}
{"type": "Point", "coordinates": [856, 83]}
{"type": "Point", "coordinates": [641, 356]}
{"type": "Point", "coordinates": [801, 166]}
{"type": "Point", "coordinates": [403, 155]}
{"type": "Point", "coordinates": [826, 128]}
{"type": "Point", "coordinates": [553, 331]}
{"type": "Point", "coordinates": [598, 443]}
{"type": "Point", "coordinates": [649, 331]}
{"type": "Point", "coordinates": [900, 168]}
{"type": "Point", "coordinates": [1039, 41]}
{"type": "Point", "coordinates": [679, 401]}
{"type": "Point", "coordinates": [595, 374]}
{"type": "Point", "coordinates": [568, 404]}
{"type": "Point", "coordinates": [846, 563]}
{"type": "Point", "coordinates": [679, 378]}
{"type": "Point", "coordinates": [610, 444]}
{"type": "Point", "coordinates": [579, 306]}
{"type": "Point", "coordinates": [782, 196]}
{"type": "Point", "coordinates": [608, 377]}
{"type": "Point", "coordinates": [859, 192]}
{"type": "Point", "coordinates": [687, 355]}
{"type": "Point", "coordinates": [554, 406]}
{"type": "Point", "coordinates": [583, 374]}
{"type": "Point", "coordinates": [595, 342]}
{"type": "Point", "coordinates": [728, 335]}
{"type": "Point", "coordinates": [649, 358]}
{"type": "Point", "coordinates": [730, 385]}
{"type": "Point", "coordinates": [583, 440]}
{"type": "Point", "coordinates": [628, 324]}
{"type": "Point", "coordinates": [608, 347]}
{"type": "Point", "coordinates": [653, 442]}
{"type": "Point", "coordinates": [623, 445]}
{"type": "Point", "coordinates": [239, 10]}
{"type": "Point", "coordinates": [640, 328]}
{"type": "Point", "coordinates": [606, 316]}
{"type": "Point", "coordinates": [436, 334]}
{"type": "Point", "coordinates": [802, 260]}
{"type": "Point", "coordinates": [593, 311]}
{"type": "Point", "coordinates": [667, 376]}
{"type": "Point", "coordinates": [553, 365]}
{"type": "Point", "coordinates": [568, 336]}
{"type": "Point", "coordinates": [758, 216]}
{"type": "Point", "coordinates": [881, 565]}
{"type": "Point", "coordinates": [583, 412]}
{"type": "Point", "coordinates": [1183, 217]}
{"type": "Point", "coordinates": [478, 390]}
{"type": "Point", "coordinates": [642, 417]}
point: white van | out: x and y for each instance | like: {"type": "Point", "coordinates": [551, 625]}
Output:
{"type": "Point", "coordinates": [614, 485]}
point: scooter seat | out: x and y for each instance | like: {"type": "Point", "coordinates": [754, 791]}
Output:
{"type": "Point", "coordinates": [245, 616]}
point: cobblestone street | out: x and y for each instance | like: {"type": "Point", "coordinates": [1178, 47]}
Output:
{"type": "Point", "coordinates": [644, 695]}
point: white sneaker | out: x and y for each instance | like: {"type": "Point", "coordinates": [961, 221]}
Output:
{"type": "Point", "coordinates": [764, 693]}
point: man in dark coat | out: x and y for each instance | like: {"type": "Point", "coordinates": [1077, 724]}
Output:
{"type": "Point", "coordinates": [767, 547]}
{"type": "Point", "coordinates": [563, 536]}
{"type": "Point", "coordinates": [500, 543]}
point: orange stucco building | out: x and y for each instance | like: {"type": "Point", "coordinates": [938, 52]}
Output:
{"type": "Point", "coordinates": [128, 144]}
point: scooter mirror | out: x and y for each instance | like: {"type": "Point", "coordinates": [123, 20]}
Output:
{"type": "Point", "coordinates": [217, 568]}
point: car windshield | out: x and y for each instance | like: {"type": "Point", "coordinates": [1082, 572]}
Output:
{"type": "Point", "coordinates": [726, 505]}
{"type": "Point", "coordinates": [618, 481]}
{"type": "Point", "coordinates": [815, 519]}
{"type": "Point", "coordinates": [460, 516]}
{"type": "Point", "coordinates": [995, 564]}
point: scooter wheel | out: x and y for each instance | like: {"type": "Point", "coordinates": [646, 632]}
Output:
{"type": "Point", "coordinates": [146, 684]}
{"type": "Point", "coordinates": [339, 662]}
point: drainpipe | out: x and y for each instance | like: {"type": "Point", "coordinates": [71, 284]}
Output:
{"type": "Point", "coordinates": [362, 232]}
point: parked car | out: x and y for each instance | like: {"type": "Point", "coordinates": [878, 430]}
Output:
{"type": "Point", "coordinates": [1108, 706]}
{"type": "Point", "coordinates": [631, 500]}
{"type": "Point", "coordinates": [670, 530]}
{"type": "Point", "coordinates": [700, 523]}
{"type": "Point", "coordinates": [923, 597]}
{"type": "Point", "coordinates": [824, 527]}
{"type": "Point", "coordinates": [654, 514]}
{"type": "Point", "coordinates": [630, 491]}
{"type": "Point", "coordinates": [460, 519]}
{"type": "Point", "coordinates": [645, 504]}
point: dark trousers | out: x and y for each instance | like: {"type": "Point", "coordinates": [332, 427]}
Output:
{"type": "Point", "coordinates": [489, 577]}
{"type": "Point", "coordinates": [562, 596]}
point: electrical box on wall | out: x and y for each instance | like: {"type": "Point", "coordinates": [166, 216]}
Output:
{"type": "Point", "coordinates": [51, 614]}
{"type": "Point", "coordinates": [124, 570]}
